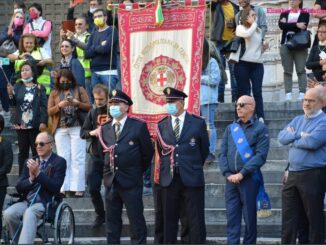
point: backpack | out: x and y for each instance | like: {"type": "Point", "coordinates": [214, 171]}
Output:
{"type": "Point", "coordinates": [41, 40]}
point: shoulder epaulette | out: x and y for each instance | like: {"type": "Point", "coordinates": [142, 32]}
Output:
{"type": "Point", "coordinates": [162, 119]}
{"type": "Point", "coordinates": [197, 116]}
{"type": "Point", "coordinates": [137, 118]}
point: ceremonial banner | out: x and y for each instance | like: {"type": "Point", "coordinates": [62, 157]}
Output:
{"type": "Point", "coordinates": [155, 57]}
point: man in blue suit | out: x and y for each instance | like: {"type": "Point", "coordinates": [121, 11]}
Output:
{"type": "Point", "coordinates": [41, 179]}
{"type": "Point", "coordinates": [128, 153]}
{"type": "Point", "coordinates": [183, 146]}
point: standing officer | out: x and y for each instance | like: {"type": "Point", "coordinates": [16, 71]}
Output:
{"type": "Point", "coordinates": [89, 130]}
{"type": "Point", "coordinates": [183, 147]}
{"type": "Point", "coordinates": [128, 153]}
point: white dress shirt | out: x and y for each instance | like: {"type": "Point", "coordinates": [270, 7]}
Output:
{"type": "Point", "coordinates": [122, 122]}
{"type": "Point", "coordinates": [181, 121]}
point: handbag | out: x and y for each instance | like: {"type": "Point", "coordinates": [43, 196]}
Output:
{"type": "Point", "coordinates": [233, 45]}
{"type": "Point", "coordinates": [234, 57]}
{"type": "Point", "coordinates": [7, 47]}
{"type": "Point", "coordinates": [298, 41]}
{"type": "Point", "coordinates": [81, 114]}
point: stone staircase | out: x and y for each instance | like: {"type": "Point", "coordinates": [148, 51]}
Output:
{"type": "Point", "coordinates": [278, 114]}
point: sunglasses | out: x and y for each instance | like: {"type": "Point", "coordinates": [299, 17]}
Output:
{"type": "Point", "coordinates": [241, 105]}
{"type": "Point", "coordinates": [41, 144]}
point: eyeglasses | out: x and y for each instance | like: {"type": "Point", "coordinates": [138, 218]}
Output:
{"type": "Point", "coordinates": [41, 144]}
{"type": "Point", "coordinates": [241, 105]}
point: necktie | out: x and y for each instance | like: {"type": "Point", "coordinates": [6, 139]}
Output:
{"type": "Point", "coordinates": [176, 128]}
{"type": "Point", "coordinates": [117, 130]}
{"type": "Point", "coordinates": [43, 165]}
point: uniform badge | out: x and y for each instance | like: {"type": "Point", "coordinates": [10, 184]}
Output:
{"type": "Point", "coordinates": [131, 142]}
{"type": "Point", "coordinates": [240, 140]}
{"type": "Point", "coordinates": [247, 155]}
{"type": "Point", "coordinates": [192, 141]}
{"type": "Point", "coordinates": [236, 129]}
{"type": "Point", "coordinates": [168, 90]}
{"type": "Point", "coordinates": [114, 92]}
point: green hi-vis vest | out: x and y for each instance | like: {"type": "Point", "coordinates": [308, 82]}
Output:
{"type": "Point", "coordinates": [43, 79]}
{"type": "Point", "coordinates": [86, 63]}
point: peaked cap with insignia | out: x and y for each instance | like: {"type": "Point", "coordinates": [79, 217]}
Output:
{"type": "Point", "coordinates": [172, 94]}
{"type": "Point", "coordinates": [117, 95]}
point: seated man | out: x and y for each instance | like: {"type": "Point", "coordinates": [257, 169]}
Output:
{"type": "Point", "coordinates": [41, 179]}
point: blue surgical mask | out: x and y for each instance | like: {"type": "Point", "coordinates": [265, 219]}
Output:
{"type": "Point", "coordinates": [171, 108]}
{"type": "Point", "coordinates": [27, 80]}
{"type": "Point", "coordinates": [115, 111]}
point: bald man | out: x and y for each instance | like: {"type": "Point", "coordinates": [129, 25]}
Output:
{"type": "Point", "coordinates": [303, 192]}
{"type": "Point", "coordinates": [238, 167]}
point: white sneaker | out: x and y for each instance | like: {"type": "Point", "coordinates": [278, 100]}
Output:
{"type": "Point", "coordinates": [301, 96]}
{"type": "Point", "coordinates": [288, 97]}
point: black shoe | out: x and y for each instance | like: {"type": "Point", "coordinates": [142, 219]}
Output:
{"type": "Point", "coordinates": [220, 99]}
{"type": "Point", "coordinates": [98, 222]}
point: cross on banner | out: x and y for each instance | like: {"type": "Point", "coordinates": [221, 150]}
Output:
{"type": "Point", "coordinates": [161, 79]}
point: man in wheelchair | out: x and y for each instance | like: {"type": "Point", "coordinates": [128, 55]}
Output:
{"type": "Point", "coordinates": [41, 179]}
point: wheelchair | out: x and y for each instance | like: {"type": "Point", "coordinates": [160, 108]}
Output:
{"type": "Point", "coordinates": [58, 218]}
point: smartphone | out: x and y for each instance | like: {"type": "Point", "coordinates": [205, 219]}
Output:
{"type": "Point", "coordinates": [78, 1]}
{"type": "Point", "coordinates": [311, 76]}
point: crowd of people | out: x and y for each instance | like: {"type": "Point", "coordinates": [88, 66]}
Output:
{"type": "Point", "coordinates": [81, 99]}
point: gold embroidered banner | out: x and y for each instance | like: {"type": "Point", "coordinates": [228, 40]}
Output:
{"type": "Point", "coordinates": [155, 57]}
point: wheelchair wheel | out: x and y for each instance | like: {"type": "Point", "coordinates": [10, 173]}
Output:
{"type": "Point", "coordinates": [64, 225]}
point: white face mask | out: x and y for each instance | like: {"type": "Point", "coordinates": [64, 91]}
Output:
{"type": "Point", "coordinates": [18, 10]}
{"type": "Point", "coordinates": [92, 10]}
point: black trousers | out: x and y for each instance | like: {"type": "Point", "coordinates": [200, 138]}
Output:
{"type": "Point", "coordinates": [158, 231]}
{"type": "Point", "coordinates": [94, 182]}
{"type": "Point", "coordinates": [159, 217]}
{"type": "Point", "coordinates": [176, 197]}
{"type": "Point", "coordinates": [115, 197]}
{"type": "Point", "coordinates": [303, 193]}
{"type": "Point", "coordinates": [3, 191]}
{"type": "Point", "coordinates": [26, 139]}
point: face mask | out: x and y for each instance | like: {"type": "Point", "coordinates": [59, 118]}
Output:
{"type": "Point", "coordinates": [65, 86]}
{"type": "Point", "coordinates": [99, 22]}
{"type": "Point", "coordinates": [92, 10]}
{"type": "Point", "coordinates": [171, 108]}
{"type": "Point", "coordinates": [18, 10]}
{"type": "Point", "coordinates": [33, 15]}
{"type": "Point", "coordinates": [115, 111]}
{"type": "Point", "coordinates": [27, 80]}
{"type": "Point", "coordinates": [18, 22]}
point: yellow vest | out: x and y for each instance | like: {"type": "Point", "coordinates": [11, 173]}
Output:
{"type": "Point", "coordinates": [86, 63]}
{"type": "Point", "coordinates": [43, 79]}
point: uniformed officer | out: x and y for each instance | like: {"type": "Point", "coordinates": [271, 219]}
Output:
{"type": "Point", "coordinates": [128, 153]}
{"type": "Point", "coordinates": [183, 147]}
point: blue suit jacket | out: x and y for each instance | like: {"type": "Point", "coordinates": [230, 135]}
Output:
{"type": "Point", "coordinates": [50, 182]}
{"type": "Point", "coordinates": [133, 153]}
{"type": "Point", "coordinates": [190, 152]}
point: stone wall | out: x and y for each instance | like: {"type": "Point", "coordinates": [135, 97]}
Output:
{"type": "Point", "coordinates": [56, 11]}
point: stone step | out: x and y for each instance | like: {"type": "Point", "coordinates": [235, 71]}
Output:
{"type": "Point", "coordinates": [213, 176]}
{"type": "Point", "coordinates": [213, 230]}
{"type": "Point", "coordinates": [267, 233]}
{"type": "Point", "coordinates": [150, 240]}
{"type": "Point", "coordinates": [214, 197]}
{"type": "Point", "coordinates": [272, 110]}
